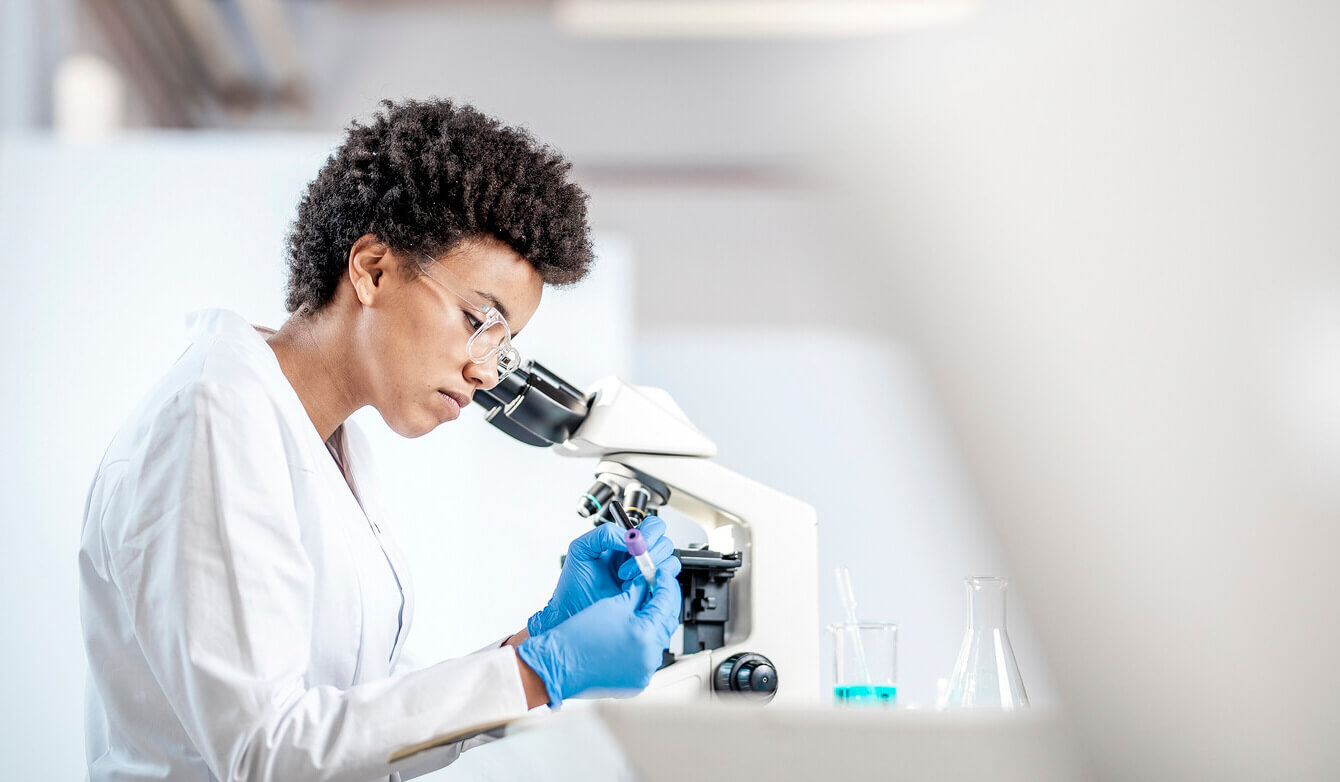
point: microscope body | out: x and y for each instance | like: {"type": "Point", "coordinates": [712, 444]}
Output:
{"type": "Point", "coordinates": [750, 608]}
{"type": "Point", "coordinates": [773, 602]}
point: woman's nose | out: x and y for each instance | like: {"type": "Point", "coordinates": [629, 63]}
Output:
{"type": "Point", "coordinates": [484, 375]}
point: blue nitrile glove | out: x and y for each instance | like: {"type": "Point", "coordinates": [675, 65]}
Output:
{"type": "Point", "coordinates": [596, 567]}
{"type": "Point", "coordinates": [614, 645]}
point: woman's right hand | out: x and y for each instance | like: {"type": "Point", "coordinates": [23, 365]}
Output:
{"type": "Point", "coordinates": [596, 567]}
{"type": "Point", "coordinates": [612, 646]}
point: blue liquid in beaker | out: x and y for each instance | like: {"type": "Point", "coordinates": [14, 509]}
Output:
{"type": "Point", "coordinates": [865, 694]}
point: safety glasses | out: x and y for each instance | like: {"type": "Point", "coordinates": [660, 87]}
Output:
{"type": "Point", "coordinates": [492, 339]}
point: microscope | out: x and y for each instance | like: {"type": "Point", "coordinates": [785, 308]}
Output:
{"type": "Point", "coordinates": [750, 602]}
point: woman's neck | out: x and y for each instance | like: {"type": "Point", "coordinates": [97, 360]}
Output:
{"type": "Point", "coordinates": [315, 355]}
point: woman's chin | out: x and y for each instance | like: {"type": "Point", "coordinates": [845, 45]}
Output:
{"type": "Point", "coordinates": [415, 426]}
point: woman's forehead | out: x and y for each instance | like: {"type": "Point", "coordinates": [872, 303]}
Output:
{"type": "Point", "coordinates": [493, 273]}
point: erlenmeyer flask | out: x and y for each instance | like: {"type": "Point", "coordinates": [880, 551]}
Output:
{"type": "Point", "coordinates": [986, 674]}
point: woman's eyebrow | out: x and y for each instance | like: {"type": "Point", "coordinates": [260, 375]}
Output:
{"type": "Point", "coordinates": [493, 300]}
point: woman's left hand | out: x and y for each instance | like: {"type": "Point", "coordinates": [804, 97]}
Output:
{"type": "Point", "coordinates": [597, 567]}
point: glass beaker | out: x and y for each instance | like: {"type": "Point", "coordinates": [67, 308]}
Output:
{"type": "Point", "coordinates": [986, 674]}
{"type": "Point", "coordinates": [865, 663]}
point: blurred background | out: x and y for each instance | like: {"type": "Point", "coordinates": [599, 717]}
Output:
{"type": "Point", "coordinates": [1031, 288]}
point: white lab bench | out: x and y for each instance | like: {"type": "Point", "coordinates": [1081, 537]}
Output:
{"type": "Point", "coordinates": [662, 742]}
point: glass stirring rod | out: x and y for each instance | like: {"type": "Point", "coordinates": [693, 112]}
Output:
{"type": "Point", "coordinates": [848, 599]}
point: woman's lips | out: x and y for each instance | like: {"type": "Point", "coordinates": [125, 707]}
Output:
{"type": "Point", "coordinates": [461, 399]}
{"type": "Point", "coordinates": [452, 403]}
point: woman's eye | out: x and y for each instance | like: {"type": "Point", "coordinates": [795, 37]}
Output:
{"type": "Point", "coordinates": [474, 322]}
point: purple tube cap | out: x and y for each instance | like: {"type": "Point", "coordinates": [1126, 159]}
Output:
{"type": "Point", "coordinates": [637, 545]}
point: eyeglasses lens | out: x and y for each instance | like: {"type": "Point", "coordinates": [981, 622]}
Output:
{"type": "Point", "coordinates": [488, 340]}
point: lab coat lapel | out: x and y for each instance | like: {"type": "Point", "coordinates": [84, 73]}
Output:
{"type": "Point", "coordinates": [363, 474]}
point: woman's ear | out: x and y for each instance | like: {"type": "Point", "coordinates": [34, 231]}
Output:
{"type": "Point", "coordinates": [369, 260]}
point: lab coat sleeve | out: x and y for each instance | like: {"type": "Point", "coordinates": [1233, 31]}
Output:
{"type": "Point", "coordinates": [431, 760]}
{"type": "Point", "coordinates": [210, 565]}
{"type": "Point", "coordinates": [411, 660]}
{"type": "Point", "coordinates": [434, 759]}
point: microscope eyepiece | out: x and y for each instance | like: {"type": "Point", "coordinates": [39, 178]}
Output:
{"type": "Point", "coordinates": [535, 406]}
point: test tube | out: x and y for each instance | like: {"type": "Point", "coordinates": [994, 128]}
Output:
{"type": "Point", "coordinates": [637, 547]}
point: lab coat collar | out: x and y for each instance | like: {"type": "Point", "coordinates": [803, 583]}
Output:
{"type": "Point", "coordinates": [206, 324]}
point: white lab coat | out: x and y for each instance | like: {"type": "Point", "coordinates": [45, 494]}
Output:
{"type": "Point", "coordinates": [243, 610]}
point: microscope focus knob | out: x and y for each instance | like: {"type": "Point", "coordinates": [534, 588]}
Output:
{"type": "Point", "coordinates": [750, 675]}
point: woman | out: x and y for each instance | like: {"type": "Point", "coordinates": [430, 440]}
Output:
{"type": "Point", "coordinates": [244, 604]}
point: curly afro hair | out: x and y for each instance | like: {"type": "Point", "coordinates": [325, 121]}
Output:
{"type": "Point", "coordinates": [423, 176]}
